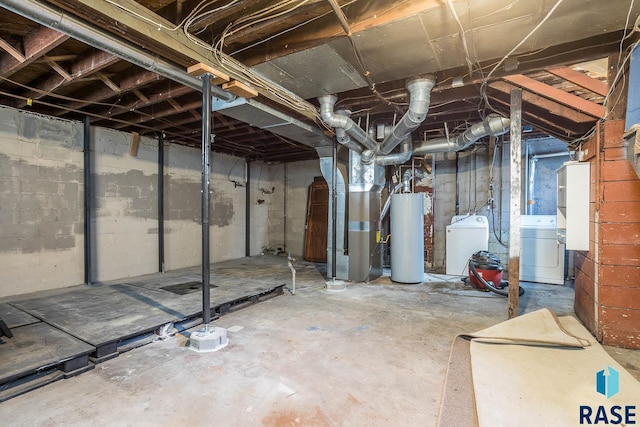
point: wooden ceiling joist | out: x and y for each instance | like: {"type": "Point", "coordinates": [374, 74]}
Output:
{"type": "Point", "coordinates": [133, 81]}
{"type": "Point", "coordinates": [581, 79]}
{"type": "Point", "coordinates": [12, 51]}
{"type": "Point", "coordinates": [85, 66]}
{"type": "Point", "coordinates": [36, 44]}
{"type": "Point", "coordinates": [58, 69]}
{"type": "Point", "coordinates": [554, 108]}
{"type": "Point", "coordinates": [550, 92]}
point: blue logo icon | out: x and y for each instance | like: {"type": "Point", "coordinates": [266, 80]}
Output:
{"type": "Point", "coordinates": [608, 384]}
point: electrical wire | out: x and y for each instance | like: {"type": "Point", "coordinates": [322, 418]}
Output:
{"type": "Point", "coordinates": [100, 116]}
{"type": "Point", "coordinates": [462, 36]}
{"type": "Point", "coordinates": [485, 80]}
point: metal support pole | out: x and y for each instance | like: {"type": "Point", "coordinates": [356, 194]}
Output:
{"type": "Point", "coordinates": [206, 177]}
{"type": "Point", "coordinates": [87, 200]}
{"type": "Point", "coordinates": [334, 209]}
{"type": "Point", "coordinates": [247, 224]}
{"type": "Point", "coordinates": [161, 202]}
{"type": "Point", "coordinates": [515, 147]}
{"type": "Point", "coordinates": [284, 204]}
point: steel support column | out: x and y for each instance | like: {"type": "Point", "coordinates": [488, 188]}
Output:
{"type": "Point", "coordinates": [161, 203]}
{"type": "Point", "coordinates": [87, 200]}
{"type": "Point", "coordinates": [206, 184]}
{"type": "Point", "coordinates": [247, 224]}
{"type": "Point", "coordinates": [334, 208]}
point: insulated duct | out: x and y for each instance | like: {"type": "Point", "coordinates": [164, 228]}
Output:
{"type": "Point", "coordinates": [492, 125]}
{"type": "Point", "coordinates": [419, 97]}
{"type": "Point", "coordinates": [336, 120]}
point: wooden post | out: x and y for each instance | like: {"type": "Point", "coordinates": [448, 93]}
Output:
{"type": "Point", "coordinates": [515, 148]}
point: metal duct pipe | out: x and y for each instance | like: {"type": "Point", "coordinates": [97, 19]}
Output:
{"type": "Point", "coordinates": [104, 41]}
{"type": "Point", "coordinates": [344, 139]}
{"type": "Point", "coordinates": [407, 176]}
{"type": "Point", "coordinates": [406, 151]}
{"type": "Point", "coordinates": [492, 125]}
{"type": "Point", "coordinates": [335, 120]}
{"type": "Point", "coordinates": [419, 97]}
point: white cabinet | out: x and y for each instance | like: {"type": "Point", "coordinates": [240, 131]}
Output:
{"type": "Point", "coordinates": [573, 205]}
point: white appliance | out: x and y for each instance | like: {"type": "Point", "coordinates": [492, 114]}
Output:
{"type": "Point", "coordinates": [541, 255]}
{"type": "Point", "coordinates": [466, 235]}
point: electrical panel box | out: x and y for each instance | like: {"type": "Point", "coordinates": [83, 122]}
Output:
{"type": "Point", "coordinates": [573, 205]}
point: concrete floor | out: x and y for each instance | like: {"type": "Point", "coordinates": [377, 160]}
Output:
{"type": "Point", "coordinates": [373, 355]}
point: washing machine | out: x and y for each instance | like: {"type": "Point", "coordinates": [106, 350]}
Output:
{"type": "Point", "coordinates": [541, 254]}
{"type": "Point", "coordinates": [466, 235]}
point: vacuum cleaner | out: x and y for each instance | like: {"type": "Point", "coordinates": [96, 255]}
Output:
{"type": "Point", "coordinates": [485, 273]}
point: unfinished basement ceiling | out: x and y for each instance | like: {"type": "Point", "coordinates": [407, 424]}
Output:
{"type": "Point", "coordinates": [302, 49]}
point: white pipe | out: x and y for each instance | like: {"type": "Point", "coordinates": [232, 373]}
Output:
{"type": "Point", "coordinates": [293, 274]}
{"type": "Point", "coordinates": [546, 156]}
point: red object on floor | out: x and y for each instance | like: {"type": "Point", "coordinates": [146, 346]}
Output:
{"type": "Point", "coordinates": [494, 276]}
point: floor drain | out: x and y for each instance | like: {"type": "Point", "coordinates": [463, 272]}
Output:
{"type": "Point", "coordinates": [185, 288]}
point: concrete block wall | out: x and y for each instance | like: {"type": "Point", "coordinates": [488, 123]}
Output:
{"type": "Point", "coordinates": [474, 170]}
{"type": "Point", "coordinates": [259, 206]}
{"type": "Point", "coordinates": [41, 205]}
{"type": "Point", "coordinates": [124, 204]}
{"type": "Point", "coordinates": [294, 179]}
{"type": "Point", "coordinates": [473, 183]}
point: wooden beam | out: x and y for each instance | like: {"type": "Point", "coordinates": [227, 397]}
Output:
{"type": "Point", "coordinates": [575, 102]}
{"type": "Point", "coordinates": [132, 81]}
{"type": "Point", "coordinates": [107, 81]}
{"type": "Point", "coordinates": [200, 68]}
{"type": "Point", "coordinates": [554, 108]}
{"type": "Point", "coordinates": [240, 89]}
{"type": "Point", "coordinates": [515, 150]}
{"type": "Point", "coordinates": [58, 69]}
{"type": "Point", "coordinates": [537, 122]}
{"type": "Point", "coordinates": [143, 117]}
{"type": "Point", "coordinates": [161, 94]}
{"type": "Point", "coordinates": [135, 142]}
{"type": "Point", "coordinates": [581, 79]}
{"type": "Point", "coordinates": [84, 67]}
{"type": "Point", "coordinates": [141, 96]}
{"type": "Point", "coordinates": [175, 105]}
{"type": "Point", "coordinates": [617, 110]}
{"type": "Point", "coordinates": [12, 51]}
{"type": "Point", "coordinates": [36, 44]}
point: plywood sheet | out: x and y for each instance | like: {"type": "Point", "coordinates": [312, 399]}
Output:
{"type": "Point", "coordinates": [14, 317]}
{"type": "Point", "coordinates": [37, 346]}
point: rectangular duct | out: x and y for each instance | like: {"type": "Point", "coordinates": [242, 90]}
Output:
{"type": "Point", "coordinates": [264, 117]}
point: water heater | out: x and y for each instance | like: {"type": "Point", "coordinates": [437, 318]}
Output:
{"type": "Point", "coordinates": [407, 238]}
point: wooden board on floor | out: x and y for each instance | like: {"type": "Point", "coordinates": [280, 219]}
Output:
{"type": "Point", "coordinates": [37, 346]}
{"type": "Point", "coordinates": [14, 317]}
{"type": "Point", "coordinates": [116, 312]}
